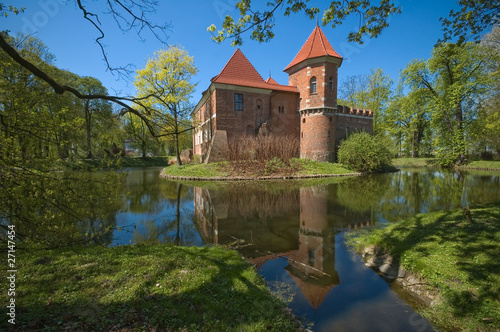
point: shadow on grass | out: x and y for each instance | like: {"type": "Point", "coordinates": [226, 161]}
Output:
{"type": "Point", "coordinates": [470, 251]}
{"type": "Point", "coordinates": [229, 298]}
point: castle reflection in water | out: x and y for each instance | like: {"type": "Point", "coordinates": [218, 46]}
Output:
{"type": "Point", "coordinates": [296, 224]}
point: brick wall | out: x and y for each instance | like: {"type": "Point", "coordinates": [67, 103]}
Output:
{"type": "Point", "coordinates": [349, 120]}
{"type": "Point", "coordinates": [284, 118]}
{"type": "Point", "coordinates": [317, 132]}
{"type": "Point", "coordinates": [324, 96]}
{"type": "Point", "coordinates": [278, 109]}
{"type": "Point", "coordinates": [256, 110]}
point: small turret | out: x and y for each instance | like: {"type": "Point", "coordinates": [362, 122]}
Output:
{"type": "Point", "coordinates": [314, 72]}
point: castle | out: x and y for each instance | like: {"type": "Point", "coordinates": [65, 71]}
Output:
{"type": "Point", "coordinates": [239, 102]}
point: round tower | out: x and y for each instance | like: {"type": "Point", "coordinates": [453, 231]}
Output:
{"type": "Point", "coordinates": [314, 72]}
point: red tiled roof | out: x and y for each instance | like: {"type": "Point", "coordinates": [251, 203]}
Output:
{"type": "Point", "coordinates": [239, 71]}
{"type": "Point", "coordinates": [271, 80]}
{"type": "Point", "coordinates": [315, 46]}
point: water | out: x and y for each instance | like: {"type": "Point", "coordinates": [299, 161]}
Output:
{"type": "Point", "coordinates": [293, 232]}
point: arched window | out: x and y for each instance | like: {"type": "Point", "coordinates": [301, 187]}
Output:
{"type": "Point", "coordinates": [330, 83]}
{"type": "Point", "coordinates": [313, 85]}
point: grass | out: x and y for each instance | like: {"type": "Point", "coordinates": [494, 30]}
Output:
{"type": "Point", "coordinates": [118, 162]}
{"type": "Point", "coordinates": [254, 169]}
{"type": "Point", "coordinates": [142, 288]}
{"type": "Point", "coordinates": [308, 167]}
{"type": "Point", "coordinates": [483, 164]}
{"type": "Point", "coordinates": [198, 170]}
{"type": "Point", "coordinates": [420, 162]}
{"type": "Point", "coordinates": [414, 162]}
{"type": "Point", "coordinates": [457, 258]}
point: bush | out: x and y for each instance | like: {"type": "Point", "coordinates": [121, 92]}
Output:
{"type": "Point", "coordinates": [486, 155]}
{"type": "Point", "coordinates": [362, 152]}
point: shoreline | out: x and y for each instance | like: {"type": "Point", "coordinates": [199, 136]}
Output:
{"type": "Point", "coordinates": [257, 178]}
{"type": "Point", "coordinates": [442, 264]}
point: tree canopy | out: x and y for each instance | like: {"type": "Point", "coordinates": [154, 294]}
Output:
{"type": "Point", "coordinates": [164, 87]}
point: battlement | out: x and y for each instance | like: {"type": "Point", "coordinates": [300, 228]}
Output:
{"type": "Point", "coordinates": [354, 111]}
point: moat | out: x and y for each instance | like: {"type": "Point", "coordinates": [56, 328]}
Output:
{"type": "Point", "coordinates": [293, 232]}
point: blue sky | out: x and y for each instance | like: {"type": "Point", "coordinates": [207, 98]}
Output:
{"type": "Point", "coordinates": [70, 38]}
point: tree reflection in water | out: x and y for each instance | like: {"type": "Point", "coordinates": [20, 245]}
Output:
{"type": "Point", "coordinates": [292, 231]}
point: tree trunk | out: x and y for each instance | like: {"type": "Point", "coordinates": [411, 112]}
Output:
{"type": "Point", "coordinates": [177, 153]}
{"type": "Point", "coordinates": [461, 144]}
{"type": "Point", "coordinates": [88, 126]}
{"type": "Point", "coordinates": [143, 149]}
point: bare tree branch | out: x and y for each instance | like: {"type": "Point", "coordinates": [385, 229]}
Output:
{"type": "Point", "coordinates": [123, 13]}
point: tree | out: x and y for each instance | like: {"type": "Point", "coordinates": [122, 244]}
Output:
{"type": "Point", "coordinates": [488, 128]}
{"type": "Point", "coordinates": [137, 130]}
{"type": "Point", "coordinates": [352, 90]}
{"type": "Point", "coordinates": [474, 17]}
{"type": "Point", "coordinates": [372, 18]}
{"type": "Point", "coordinates": [407, 121]}
{"type": "Point", "coordinates": [93, 108]}
{"type": "Point", "coordinates": [164, 86]}
{"type": "Point", "coordinates": [129, 15]}
{"type": "Point", "coordinates": [370, 92]}
{"type": "Point", "coordinates": [456, 80]}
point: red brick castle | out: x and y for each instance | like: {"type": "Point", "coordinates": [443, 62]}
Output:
{"type": "Point", "coordinates": [240, 103]}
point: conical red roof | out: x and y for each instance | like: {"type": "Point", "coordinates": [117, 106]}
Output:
{"type": "Point", "coordinates": [315, 46]}
{"type": "Point", "coordinates": [239, 71]}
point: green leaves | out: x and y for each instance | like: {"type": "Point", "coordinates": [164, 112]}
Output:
{"type": "Point", "coordinates": [373, 19]}
{"type": "Point", "coordinates": [363, 153]}
{"type": "Point", "coordinates": [473, 18]}
{"type": "Point", "coordinates": [164, 87]}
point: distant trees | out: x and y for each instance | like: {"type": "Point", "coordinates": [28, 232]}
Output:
{"type": "Point", "coordinates": [369, 92]}
{"type": "Point", "coordinates": [444, 106]}
{"type": "Point", "coordinates": [39, 131]}
{"type": "Point", "coordinates": [456, 80]}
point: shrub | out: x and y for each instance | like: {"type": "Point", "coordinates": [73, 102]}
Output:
{"type": "Point", "coordinates": [486, 155]}
{"type": "Point", "coordinates": [362, 152]}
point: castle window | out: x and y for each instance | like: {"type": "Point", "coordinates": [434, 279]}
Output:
{"type": "Point", "coordinates": [238, 102]}
{"type": "Point", "coordinates": [330, 83]}
{"type": "Point", "coordinates": [304, 120]}
{"type": "Point", "coordinates": [313, 85]}
{"type": "Point", "coordinates": [311, 256]}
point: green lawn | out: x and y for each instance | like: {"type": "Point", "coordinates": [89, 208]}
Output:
{"type": "Point", "coordinates": [197, 170]}
{"type": "Point", "coordinates": [457, 258]}
{"type": "Point", "coordinates": [483, 164]}
{"type": "Point", "coordinates": [418, 162]}
{"type": "Point", "coordinates": [142, 288]}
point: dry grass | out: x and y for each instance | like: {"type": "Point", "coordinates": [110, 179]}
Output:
{"type": "Point", "coordinates": [263, 155]}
